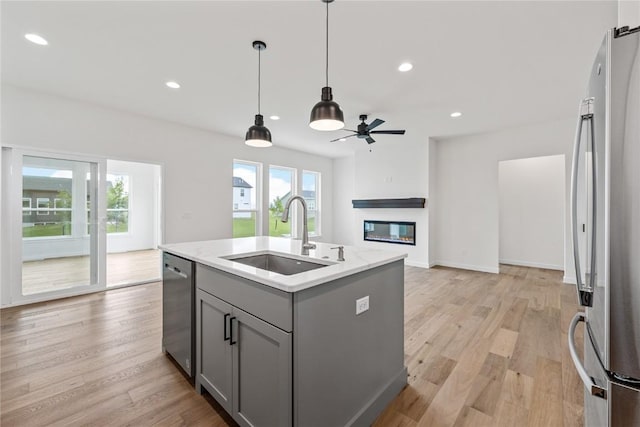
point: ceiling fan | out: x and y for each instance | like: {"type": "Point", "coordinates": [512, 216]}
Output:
{"type": "Point", "coordinates": [366, 130]}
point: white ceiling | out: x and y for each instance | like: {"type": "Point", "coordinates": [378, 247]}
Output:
{"type": "Point", "coordinates": [502, 64]}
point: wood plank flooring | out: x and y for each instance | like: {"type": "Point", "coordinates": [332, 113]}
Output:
{"type": "Point", "coordinates": [481, 350]}
{"type": "Point", "coordinates": [68, 272]}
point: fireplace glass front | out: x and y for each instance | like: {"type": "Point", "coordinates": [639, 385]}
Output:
{"type": "Point", "coordinates": [400, 232]}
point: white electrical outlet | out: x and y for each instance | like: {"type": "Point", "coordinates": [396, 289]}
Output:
{"type": "Point", "coordinates": [362, 305]}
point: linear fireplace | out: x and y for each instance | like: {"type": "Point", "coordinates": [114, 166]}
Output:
{"type": "Point", "coordinates": [400, 232]}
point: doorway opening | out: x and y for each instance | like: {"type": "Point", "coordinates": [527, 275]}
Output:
{"type": "Point", "coordinates": [532, 195]}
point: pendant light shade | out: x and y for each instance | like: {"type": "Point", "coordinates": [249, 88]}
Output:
{"type": "Point", "coordinates": [326, 115]}
{"type": "Point", "coordinates": [258, 135]}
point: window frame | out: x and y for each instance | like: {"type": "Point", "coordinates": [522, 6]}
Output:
{"type": "Point", "coordinates": [293, 216]}
{"type": "Point", "coordinates": [258, 211]}
{"type": "Point", "coordinates": [46, 210]}
{"type": "Point", "coordinates": [317, 232]}
{"type": "Point", "coordinates": [27, 210]}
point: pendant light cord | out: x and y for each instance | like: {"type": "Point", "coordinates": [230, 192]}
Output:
{"type": "Point", "coordinates": [259, 51]}
{"type": "Point", "coordinates": [327, 50]}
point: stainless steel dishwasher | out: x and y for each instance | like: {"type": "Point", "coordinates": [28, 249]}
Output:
{"type": "Point", "coordinates": [178, 311]}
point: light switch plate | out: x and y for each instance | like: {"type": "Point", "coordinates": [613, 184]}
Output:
{"type": "Point", "coordinates": [362, 305]}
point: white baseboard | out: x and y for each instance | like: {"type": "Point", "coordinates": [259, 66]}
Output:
{"type": "Point", "coordinates": [494, 270]}
{"type": "Point", "coordinates": [417, 264]}
{"type": "Point", "coordinates": [532, 264]}
{"type": "Point", "coordinates": [569, 279]}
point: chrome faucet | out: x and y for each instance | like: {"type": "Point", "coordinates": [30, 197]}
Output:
{"type": "Point", "coordinates": [305, 230]}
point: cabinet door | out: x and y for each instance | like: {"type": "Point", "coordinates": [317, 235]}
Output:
{"type": "Point", "coordinates": [262, 369]}
{"type": "Point", "coordinates": [214, 355]}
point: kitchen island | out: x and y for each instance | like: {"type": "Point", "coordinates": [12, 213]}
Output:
{"type": "Point", "coordinates": [321, 347]}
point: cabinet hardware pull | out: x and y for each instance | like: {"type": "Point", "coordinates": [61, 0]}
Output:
{"type": "Point", "coordinates": [231, 341]}
{"type": "Point", "coordinates": [226, 337]}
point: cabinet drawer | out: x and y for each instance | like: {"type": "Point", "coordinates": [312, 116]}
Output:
{"type": "Point", "coordinates": [271, 305]}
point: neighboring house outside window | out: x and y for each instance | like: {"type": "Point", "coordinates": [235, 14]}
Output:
{"type": "Point", "coordinates": [246, 191]}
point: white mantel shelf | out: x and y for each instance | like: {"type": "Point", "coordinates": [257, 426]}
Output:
{"type": "Point", "coordinates": [211, 253]}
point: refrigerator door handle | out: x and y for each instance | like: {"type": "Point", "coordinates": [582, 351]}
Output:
{"type": "Point", "coordinates": [586, 113]}
{"type": "Point", "coordinates": [588, 382]}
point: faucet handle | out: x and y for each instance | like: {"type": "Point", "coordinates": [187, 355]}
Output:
{"type": "Point", "coordinates": [340, 252]}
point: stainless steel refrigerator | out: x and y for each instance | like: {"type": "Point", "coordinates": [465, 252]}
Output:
{"type": "Point", "coordinates": [605, 213]}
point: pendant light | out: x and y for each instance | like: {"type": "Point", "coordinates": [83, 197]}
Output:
{"type": "Point", "coordinates": [258, 135]}
{"type": "Point", "coordinates": [326, 114]}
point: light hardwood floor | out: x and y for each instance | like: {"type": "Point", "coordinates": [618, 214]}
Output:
{"type": "Point", "coordinates": [68, 272]}
{"type": "Point", "coordinates": [481, 349]}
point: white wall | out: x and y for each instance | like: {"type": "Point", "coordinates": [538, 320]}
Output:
{"type": "Point", "coordinates": [467, 230]}
{"type": "Point", "coordinates": [629, 13]}
{"type": "Point", "coordinates": [143, 199]}
{"type": "Point", "coordinates": [532, 211]}
{"type": "Point", "coordinates": [197, 163]}
{"type": "Point", "coordinates": [393, 169]}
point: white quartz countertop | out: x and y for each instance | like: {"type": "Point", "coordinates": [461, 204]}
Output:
{"type": "Point", "coordinates": [211, 253]}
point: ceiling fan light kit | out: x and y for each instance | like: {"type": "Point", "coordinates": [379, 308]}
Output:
{"type": "Point", "coordinates": [326, 115]}
{"type": "Point", "coordinates": [258, 135]}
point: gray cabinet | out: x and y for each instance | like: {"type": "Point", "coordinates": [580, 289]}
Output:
{"type": "Point", "coordinates": [213, 349]}
{"type": "Point", "coordinates": [278, 359]}
{"type": "Point", "coordinates": [244, 363]}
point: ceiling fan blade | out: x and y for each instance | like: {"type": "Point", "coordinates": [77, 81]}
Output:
{"type": "Point", "coordinates": [389, 132]}
{"type": "Point", "coordinates": [375, 124]}
{"type": "Point", "coordinates": [370, 140]}
{"type": "Point", "coordinates": [342, 137]}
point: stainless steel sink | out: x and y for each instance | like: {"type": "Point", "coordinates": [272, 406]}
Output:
{"type": "Point", "coordinates": [276, 263]}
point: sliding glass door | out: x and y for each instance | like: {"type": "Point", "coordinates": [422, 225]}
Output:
{"type": "Point", "coordinates": [58, 225]}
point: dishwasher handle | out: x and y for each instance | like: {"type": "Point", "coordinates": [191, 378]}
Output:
{"type": "Point", "coordinates": [175, 270]}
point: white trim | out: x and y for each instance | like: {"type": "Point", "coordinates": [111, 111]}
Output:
{"type": "Point", "coordinates": [318, 193]}
{"type": "Point", "coordinates": [571, 280]}
{"type": "Point", "coordinates": [258, 191]}
{"type": "Point", "coordinates": [43, 297]}
{"type": "Point", "coordinates": [532, 264]}
{"type": "Point", "coordinates": [494, 270]}
{"type": "Point", "coordinates": [416, 264]}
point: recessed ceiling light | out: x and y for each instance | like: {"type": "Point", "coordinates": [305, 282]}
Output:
{"type": "Point", "coordinates": [456, 114]}
{"type": "Point", "coordinates": [405, 66]}
{"type": "Point", "coordinates": [34, 38]}
{"type": "Point", "coordinates": [342, 139]}
{"type": "Point", "coordinates": [274, 117]}
{"type": "Point", "coordinates": [173, 85]}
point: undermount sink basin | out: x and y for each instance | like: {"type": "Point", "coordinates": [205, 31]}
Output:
{"type": "Point", "coordinates": [276, 263]}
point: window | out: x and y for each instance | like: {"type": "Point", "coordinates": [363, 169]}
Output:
{"type": "Point", "coordinates": [250, 200]}
{"type": "Point", "coordinates": [246, 198]}
{"type": "Point", "coordinates": [26, 206]}
{"type": "Point", "coordinates": [281, 185]}
{"type": "Point", "coordinates": [311, 194]}
{"type": "Point", "coordinates": [43, 205]}
{"type": "Point", "coordinates": [49, 183]}
{"type": "Point", "coordinates": [117, 203]}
